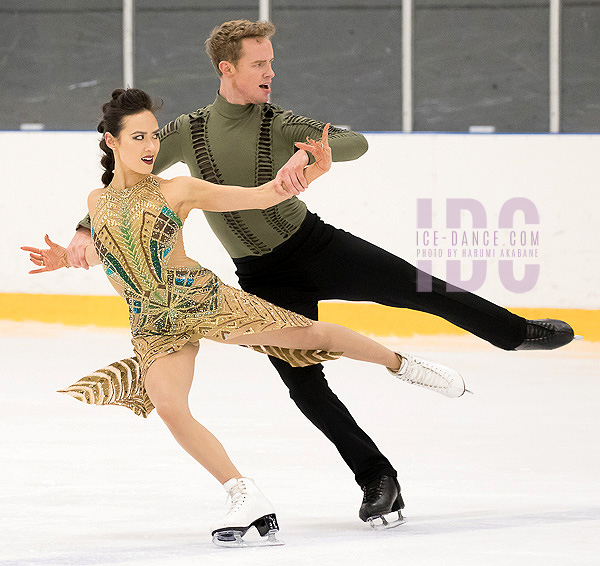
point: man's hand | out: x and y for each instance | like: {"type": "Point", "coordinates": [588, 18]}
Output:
{"type": "Point", "coordinates": [320, 150]}
{"type": "Point", "coordinates": [53, 258]}
{"type": "Point", "coordinates": [291, 175]}
{"type": "Point", "coordinates": [76, 249]}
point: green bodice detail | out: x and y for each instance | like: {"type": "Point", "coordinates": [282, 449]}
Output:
{"type": "Point", "coordinates": [134, 231]}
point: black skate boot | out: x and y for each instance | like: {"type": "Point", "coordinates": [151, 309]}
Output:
{"type": "Point", "coordinates": [382, 496]}
{"type": "Point", "coordinates": [546, 334]}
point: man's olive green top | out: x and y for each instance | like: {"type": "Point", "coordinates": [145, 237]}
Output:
{"type": "Point", "coordinates": [246, 145]}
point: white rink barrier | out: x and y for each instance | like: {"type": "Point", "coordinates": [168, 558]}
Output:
{"type": "Point", "coordinates": [512, 216]}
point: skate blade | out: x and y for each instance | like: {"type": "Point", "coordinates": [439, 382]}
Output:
{"type": "Point", "coordinates": [234, 539]}
{"type": "Point", "coordinates": [385, 524]}
{"type": "Point", "coordinates": [577, 337]}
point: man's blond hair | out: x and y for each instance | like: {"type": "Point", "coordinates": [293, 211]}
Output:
{"type": "Point", "coordinates": [225, 41]}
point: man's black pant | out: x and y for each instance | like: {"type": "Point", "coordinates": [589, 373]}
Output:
{"type": "Point", "coordinates": [322, 262]}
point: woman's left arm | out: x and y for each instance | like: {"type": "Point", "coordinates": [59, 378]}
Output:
{"type": "Point", "coordinates": [188, 193]}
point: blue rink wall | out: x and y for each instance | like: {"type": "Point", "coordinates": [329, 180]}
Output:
{"type": "Point", "coordinates": [510, 217]}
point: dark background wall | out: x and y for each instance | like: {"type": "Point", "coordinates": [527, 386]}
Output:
{"type": "Point", "coordinates": [481, 62]}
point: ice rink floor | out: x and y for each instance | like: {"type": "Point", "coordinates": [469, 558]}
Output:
{"type": "Point", "coordinates": [507, 476]}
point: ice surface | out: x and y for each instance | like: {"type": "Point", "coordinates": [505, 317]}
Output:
{"type": "Point", "coordinates": [507, 476]}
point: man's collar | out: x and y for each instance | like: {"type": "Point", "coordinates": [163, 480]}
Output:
{"type": "Point", "coordinates": [228, 110]}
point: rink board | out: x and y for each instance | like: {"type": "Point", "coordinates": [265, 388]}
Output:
{"type": "Point", "coordinates": [369, 318]}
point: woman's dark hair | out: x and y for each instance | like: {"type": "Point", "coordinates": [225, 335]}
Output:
{"type": "Point", "coordinates": [124, 102]}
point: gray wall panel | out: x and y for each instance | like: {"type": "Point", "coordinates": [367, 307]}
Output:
{"type": "Point", "coordinates": [581, 67]}
{"type": "Point", "coordinates": [485, 64]}
{"type": "Point", "coordinates": [342, 66]}
{"type": "Point", "coordinates": [171, 62]}
{"type": "Point", "coordinates": [477, 62]}
{"type": "Point", "coordinates": [57, 65]}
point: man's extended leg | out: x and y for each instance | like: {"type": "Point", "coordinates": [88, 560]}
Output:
{"type": "Point", "coordinates": [353, 269]}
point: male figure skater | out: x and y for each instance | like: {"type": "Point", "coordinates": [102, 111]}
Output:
{"type": "Point", "coordinates": [290, 257]}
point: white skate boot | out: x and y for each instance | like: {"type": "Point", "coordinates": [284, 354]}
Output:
{"type": "Point", "coordinates": [248, 508]}
{"type": "Point", "coordinates": [430, 375]}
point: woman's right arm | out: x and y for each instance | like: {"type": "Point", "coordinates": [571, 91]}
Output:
{"type": "Point", "coordinates": [55, 256]}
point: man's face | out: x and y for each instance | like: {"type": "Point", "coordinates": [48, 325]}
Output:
{"type": "Point", "coordinates": [251, 76]}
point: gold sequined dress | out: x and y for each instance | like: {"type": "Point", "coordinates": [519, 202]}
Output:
{"type": "Point", "coordinates": [134, 231]}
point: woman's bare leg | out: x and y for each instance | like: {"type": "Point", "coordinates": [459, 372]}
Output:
{"type": "Point", "coordinates": [324, 336]}
{"type": "Point", "coordinates": [336, 338]}
{"type": "Point", "coordinates": [168, 383]}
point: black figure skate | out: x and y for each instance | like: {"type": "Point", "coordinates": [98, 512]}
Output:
{"type": "Point", "coordinates": [546, 334]}
{"type": "Point", "coordinates": [382, 497]}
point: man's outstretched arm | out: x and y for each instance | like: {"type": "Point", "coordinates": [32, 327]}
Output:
{"type": "Point", "coordinates": [346, 145]}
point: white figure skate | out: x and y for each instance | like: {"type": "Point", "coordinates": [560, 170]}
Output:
{"type": "Point", "coordinates": [248, 508]}
{"type": "Point", "coordinates": [431, 375]}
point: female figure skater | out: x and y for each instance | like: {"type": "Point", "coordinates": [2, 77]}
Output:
{"type": "Point", "coordinates": [137, 220]}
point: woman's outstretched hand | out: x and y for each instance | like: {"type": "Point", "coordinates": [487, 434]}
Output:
{"type": "Point", "coordinates": [319, 149]}
{"type": "Point", "coordinates": [53, 258]}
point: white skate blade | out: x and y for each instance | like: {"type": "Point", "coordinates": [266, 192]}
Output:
{"type": "Point", "coordinates": [381, 523]}
{"type": "Point", "coordinates": [577, 337]}
{"type": "Point", "coordinates": [235, 539]}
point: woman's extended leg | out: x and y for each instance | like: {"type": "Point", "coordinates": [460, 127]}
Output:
{"type": "Point", "coordinates": [324, 336]}
{"type": "Point", "coordinates": [335, 338]}
{"type": "Point", "coordinates": [168, 383]}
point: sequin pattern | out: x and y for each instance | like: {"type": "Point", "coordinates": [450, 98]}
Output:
{"type": "Point", "coordinates": [134, 231]}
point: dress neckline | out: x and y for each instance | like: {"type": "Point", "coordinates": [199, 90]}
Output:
{"type": "Point", "coordinates": [142, 180]}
